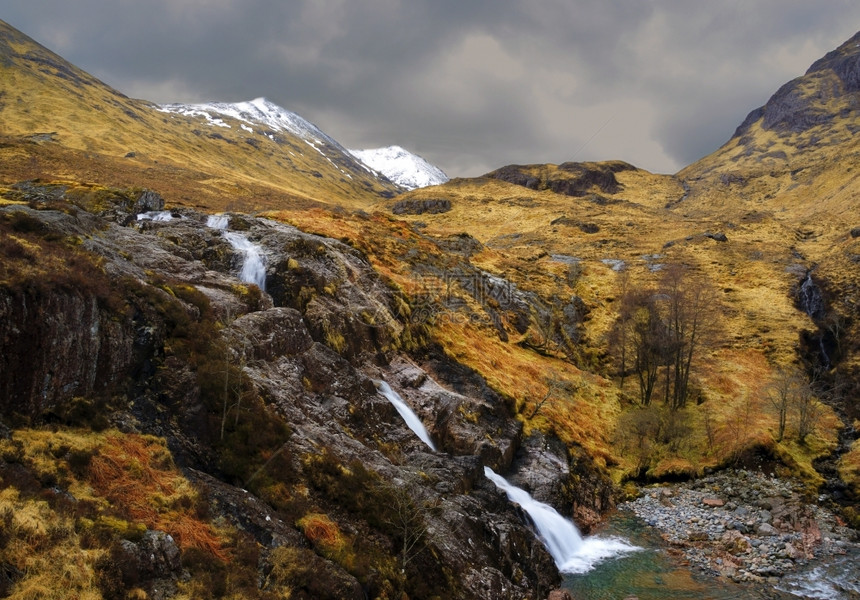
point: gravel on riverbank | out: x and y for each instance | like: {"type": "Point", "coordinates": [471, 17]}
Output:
{"type": "Point", "coordinates": [743, 525]}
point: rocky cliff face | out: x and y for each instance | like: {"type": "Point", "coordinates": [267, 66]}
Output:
{"type": "Point", "coordinates": [274, 392]}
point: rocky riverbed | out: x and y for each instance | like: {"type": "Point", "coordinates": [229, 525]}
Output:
{"type": "Point", "coordinates": [744, 525]}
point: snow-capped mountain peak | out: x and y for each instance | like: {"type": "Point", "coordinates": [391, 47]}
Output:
{"type": "Point", "coordinates": [259, 111]}
{"type": "Point", "coordinates": [263, 116]}
{"type": "Point", "coordinates": [404, 168]}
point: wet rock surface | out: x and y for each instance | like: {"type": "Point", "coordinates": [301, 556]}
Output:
{"type": "Point", "coordinates": [744, 525]}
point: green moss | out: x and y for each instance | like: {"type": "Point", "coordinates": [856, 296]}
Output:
{"type": "Point", "coordinates": [250, 295]}
{"type": "Point", "coordinates": [334, 339]}
{"type": "Point", "coordinates": [107, 528]}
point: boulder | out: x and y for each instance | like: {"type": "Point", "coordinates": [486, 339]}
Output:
{"type": "Point", "coordinates": [269, 334]}
{"type": "Point", "coordinates": [155, 556]}
{"type": "Point", "coordinates": [734, 542]}
{"type": "Point", "coordinates": [148, 201]}
{"type": "Point", "coordinates": [540, 467]}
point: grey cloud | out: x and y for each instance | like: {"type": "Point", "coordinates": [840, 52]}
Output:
{"type": "Point", "coordinates": [469, 85]}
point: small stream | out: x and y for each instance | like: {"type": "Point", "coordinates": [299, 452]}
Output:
{"type": "Point", "coordinates": [406, 413]}
{"type": "Point", "coordinates": [652, 574]}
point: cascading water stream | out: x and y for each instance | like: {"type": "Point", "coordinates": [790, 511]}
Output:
{"type": "Point", "coordinates": [156, 215]}
{"type": "Point", "coordinates": [411, 419]}
{"type": "Point", "coordinates": [253, 266]}
{"type": "Point", "coordinates": [572, 553]}
{"type": "Point", "coordinates": [812, 302]}
{"type": "Point", "coordinates": [217, 221]}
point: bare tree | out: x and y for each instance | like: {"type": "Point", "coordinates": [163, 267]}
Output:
{"type": "Point", "coordinates": [646, 337]}
{"type": "Point", "coordinates": [690, 316]}
{"type": "Point", "coordinates": [664, 328]}
{"type": "Point", "coordinates": [405, 517]}
{"type": "Point", "coordinates": [807, 407]}
{"type": "Point", "coordinates": [781, 393]}
{"type": "Point", "coordinates": [620, 332]}
{"type": "Point", "coordinates": [555, 389]}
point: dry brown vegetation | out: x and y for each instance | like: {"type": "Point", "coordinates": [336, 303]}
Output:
{"type": "Point", "coordinates": [118, 485]}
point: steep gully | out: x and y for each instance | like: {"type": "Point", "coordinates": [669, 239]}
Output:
{"type": "Point", "coordinates": [571, 552]}
{"type": "Point", "coordinates": [822, 358]}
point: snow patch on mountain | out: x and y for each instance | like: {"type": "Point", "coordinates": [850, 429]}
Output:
{"type": "Point", "coordinates": [401, 166]}
{"type": "Point", "coordinates": [256, 112]}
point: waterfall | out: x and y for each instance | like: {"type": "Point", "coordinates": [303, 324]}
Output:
{"type": "Point", "coordinates": [217, 221]}
{"type": "Point", "coordinates": [572, 553]}
{"type": "Point", "coordinates": [810, 298]}
{"type": "Point", "coordinates": [253, 265]}
{"type": "Point", "coordinates": [155, 215]}
{"type": "Point", "coordinates": [812, 302]}
{"type": "Point", "coordinates": [408, 415]}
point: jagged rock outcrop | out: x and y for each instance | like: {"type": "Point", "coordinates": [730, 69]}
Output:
{"type": "Point", "coordinates": [570, 178]}
{"type": "Point", "coordinates": [802, 103]}
{"type": "Point", "coordinates": [420, 207]}
{"type": "Point", "coordinates": [59, 345]}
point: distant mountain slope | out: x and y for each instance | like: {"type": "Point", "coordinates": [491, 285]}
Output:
{"type": "Point", "coordinates": [259, 111]}
{"type": "Point", "coordinates": [263, 117]}
{"type": "Point", "coordinates": [801, 145]}
{"type": "Point", "coordinates": [188, 157]}
{"type": "Point", "coordinates": [401, 166]}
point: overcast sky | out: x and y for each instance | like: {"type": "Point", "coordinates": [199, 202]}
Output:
{"type": "Point", "coordinates": [471, 85]}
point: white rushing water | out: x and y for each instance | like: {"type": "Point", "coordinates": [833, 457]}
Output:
{"type": "Point", "coordinates": [155, 215]}
{"type": "Point", "coordinates": [217, 221]}
{"type": "Point", "coordinates": [572, 553]}
{"type": "Point", "coordinates": [834, 581]}
{"type": "Point", "coordinates": [253, 264]}
{"type": "Point", "coordinates": [406, 412]}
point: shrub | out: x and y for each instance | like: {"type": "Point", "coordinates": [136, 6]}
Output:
{"type": "Point", "coordinates": [322, 532]}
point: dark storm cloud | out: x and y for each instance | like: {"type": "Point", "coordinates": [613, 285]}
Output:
{"type": "Point", "coordinates": [469, 85]}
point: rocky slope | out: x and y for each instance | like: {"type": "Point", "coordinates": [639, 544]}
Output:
{"type": "Point", "coordinates": [148, 331]}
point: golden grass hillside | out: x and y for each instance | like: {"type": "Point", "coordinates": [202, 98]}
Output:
{"type": "Point", "coordinates": [584, 401]}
